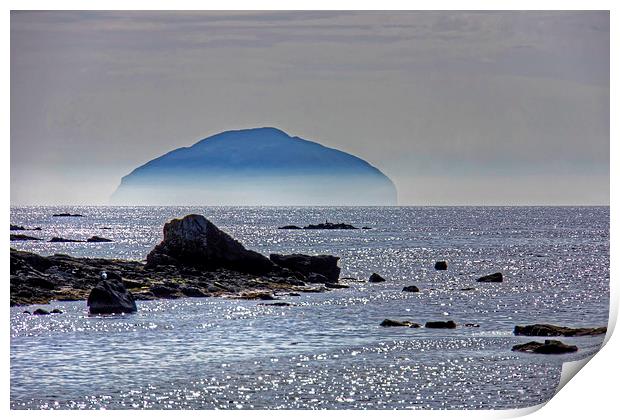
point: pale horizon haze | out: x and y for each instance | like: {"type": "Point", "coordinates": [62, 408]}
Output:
{"type": "Point", "coordinates": [457, 108]}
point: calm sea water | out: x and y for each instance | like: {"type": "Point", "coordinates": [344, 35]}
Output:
{"type": "Point", "coordinates": [328, 351]}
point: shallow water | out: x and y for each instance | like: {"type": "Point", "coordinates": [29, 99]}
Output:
{"type": "Point", "coordinates": [328, 351]}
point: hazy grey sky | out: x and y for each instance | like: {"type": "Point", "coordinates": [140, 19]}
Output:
{"type": "Point", "coordinates": [455, 107]}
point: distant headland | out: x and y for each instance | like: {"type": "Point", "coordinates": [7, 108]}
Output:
{"type": "Point", "coordinates": [258, 166]}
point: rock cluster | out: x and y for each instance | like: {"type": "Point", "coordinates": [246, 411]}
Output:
{"type": "Point", "coordinates": [195, 259]}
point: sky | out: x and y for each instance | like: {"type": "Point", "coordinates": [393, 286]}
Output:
{"type": "Point", "coordinates": [457, 108]}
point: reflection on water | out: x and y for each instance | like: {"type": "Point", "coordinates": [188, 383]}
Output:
{"type": "Point", "coordinates": [328, 351]}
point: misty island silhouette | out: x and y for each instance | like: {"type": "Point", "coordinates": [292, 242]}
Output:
{"type": "Point", "coordinates": [258, 166]}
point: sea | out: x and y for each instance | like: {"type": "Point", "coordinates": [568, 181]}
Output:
{"type": "Point", "coordinates": [328, 351]}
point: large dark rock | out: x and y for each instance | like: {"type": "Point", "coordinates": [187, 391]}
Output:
{"type": "Point", "coordinates": [548, 347]}
{"type": "Point", "coordinates": [492, 278]}
{"type": "Point", "coordinates": [325, 265]}
{"type": "Point", "coordinates": [546, 330]}
{"type": "Point", "coordinates": [196, 242]}
{"type": "Point", "coordinates": [440, 324]}
{"type": "Point", "coordinates": [110, 297]}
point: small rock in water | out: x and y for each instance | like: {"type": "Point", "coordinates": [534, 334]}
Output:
{"type": "Point", "coordinates": [392, 323]}
{"type": "Point", "coordinates": [40, 311]}
{"type": "Point", "coordinates": [27, 312]}
{"type": "Point", "coordinates": [16, 227]}
{"type": "Point", "coordinates": [56, 311]}
{"type": "Point", "coordinates": [278, 304]}
{"type": "Point", "coordinates": [98, 239]}
{"type": "Point", "coordinates": [375, 278]}
{"type": "Point", "coordinates": [259, 294]}
{"type": "Point", "coordinates": [472, 325]}
{"type": "Point", "coordinates": [492, 278]}
{"type": "Point", "coordinates": [412, 289]}
{"type": "Point", "coordinates": [290, 227]}
{"type": "Point", "coordinates": [440, 324]}
{"type": "Point", "coordinates": [336, 286]}
{"type": "Point", "coordinates": [58, 239]}
{"type": "Point", "coordinates": [548, 347]}
{"type": "Point", "coordinates": [441, 265]}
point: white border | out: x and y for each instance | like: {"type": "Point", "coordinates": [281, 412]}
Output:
{"type": "Point", "coordinates": [592, 394]}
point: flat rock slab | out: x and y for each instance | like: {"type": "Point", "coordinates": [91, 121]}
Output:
{"type": "Point", "coordinates": [547, 330]}
{"type": "Point", "coordinates": [548, 347]}
{"type": "Point", "coordinates": [394, 323]}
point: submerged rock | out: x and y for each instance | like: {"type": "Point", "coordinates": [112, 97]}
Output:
{"type": "Point", "coordinates": [548, 347]}
{"type": "Point", "coordinates": [196, 242]}
{"type": "Point", "coordinates": [324, 265]}
{"type": "Point", "coordinates": [547, 330]}
{"type": "Point", "coordinates": [492, 278]}
{"type": "Point", "coordinates": [392, 323]}
{"type": "Point", "coordinates": [440, 324]}
{"type": "Point", "coordinates": [278, 304]}
{"type": "Point", "coordinates": [110, 297]}
{"type": "Point", "coordinates": [375, 278]}
{"type": "Point", "coordinates": [329, 226]}
{"type": "Point", "coordinates": [441, 265]}
{"type": "Point", "coordinates": [412, 289]}
{"type": "Point", "coordinates": [67, 215]}
{"type": "Point", "coordinates": [58, 239]}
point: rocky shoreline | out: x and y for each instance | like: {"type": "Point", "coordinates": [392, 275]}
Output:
{"type": "Point", "coordinates": [195, 259]}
